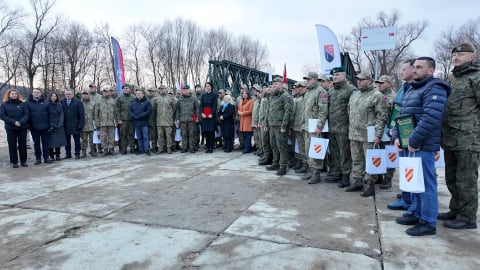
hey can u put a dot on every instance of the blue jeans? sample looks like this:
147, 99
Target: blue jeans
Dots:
143, 139
427, 202
248, 142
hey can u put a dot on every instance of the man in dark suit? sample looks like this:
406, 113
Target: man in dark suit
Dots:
74, 116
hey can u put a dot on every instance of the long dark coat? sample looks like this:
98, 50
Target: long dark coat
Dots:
74, 116
228, 122
209, 100
57, 133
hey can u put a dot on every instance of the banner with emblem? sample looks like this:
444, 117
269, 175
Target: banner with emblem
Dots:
375, 162
410, 174
318, 148
392, 156
329, 49
118, 64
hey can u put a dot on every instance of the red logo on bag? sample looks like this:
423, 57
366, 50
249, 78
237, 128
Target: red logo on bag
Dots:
437, 156
392, 156
376, 161
317, 148
409, 174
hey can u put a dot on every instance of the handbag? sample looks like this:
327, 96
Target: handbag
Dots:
392, 156
375, 163
318, 148
410, 171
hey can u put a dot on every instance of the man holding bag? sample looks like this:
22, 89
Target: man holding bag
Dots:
425, 102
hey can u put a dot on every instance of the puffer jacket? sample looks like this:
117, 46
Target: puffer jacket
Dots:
39, 113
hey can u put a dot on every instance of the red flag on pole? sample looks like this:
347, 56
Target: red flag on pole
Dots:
285, 73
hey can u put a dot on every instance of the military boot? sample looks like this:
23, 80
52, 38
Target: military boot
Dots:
292, 163
298, 165
345, 181
356, 186
273, 167
334, 178
315, 179
282, 170
112, 151
308, 175
266, 161
387, 183
368, 190
106, 152
302, 169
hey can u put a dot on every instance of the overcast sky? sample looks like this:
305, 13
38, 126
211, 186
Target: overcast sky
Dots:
287, 28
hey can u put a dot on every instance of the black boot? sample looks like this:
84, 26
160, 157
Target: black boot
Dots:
335, 178
282, 170
356, 186
315, 177
368, 190
302, 169
308, 175
273, 167
387, 183
298, 165
345, 181
266, 161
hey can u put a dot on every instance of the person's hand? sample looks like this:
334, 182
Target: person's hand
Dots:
221, 117
210, 116
119, 122
203, 115
17, 124
282, 130
318, 132
265, 128
397, 145
411, 149
239, 113
376, 141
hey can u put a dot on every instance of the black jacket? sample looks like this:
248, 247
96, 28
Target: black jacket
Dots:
209, 100
14, 110
140, 111
228, 122
39, 111
74, 117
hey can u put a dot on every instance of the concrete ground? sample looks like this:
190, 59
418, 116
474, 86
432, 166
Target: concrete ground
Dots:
199, 211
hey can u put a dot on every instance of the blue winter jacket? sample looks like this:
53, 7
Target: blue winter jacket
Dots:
14, 110
140, 111
425, 100
39, 112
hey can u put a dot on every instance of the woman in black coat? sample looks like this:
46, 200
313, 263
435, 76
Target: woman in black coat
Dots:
208, 110
57, 133
227, 122
15, 115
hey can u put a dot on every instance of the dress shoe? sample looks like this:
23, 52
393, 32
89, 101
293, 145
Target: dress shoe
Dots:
421, 229
147, 153
409, 220
183, 151
48, 161
67, 157
399, 204
446, 216
77, 156
459, 224
14, 165
24, 164
37, 162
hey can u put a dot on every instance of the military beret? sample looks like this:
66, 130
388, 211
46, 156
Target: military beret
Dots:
186, 86
125, 86
336, 70
85, 91
464, 47
91, 85
311, 75
364, 75
105, 90
384, 78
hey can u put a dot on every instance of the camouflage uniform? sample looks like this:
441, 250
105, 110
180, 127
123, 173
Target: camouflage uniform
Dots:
298, 121
461, 142
164, 109
152, 127
367, 107
339, 144
196, 126
125, 130
255, 120
187, 107
87, 132
105, 117
387, 178
264, 134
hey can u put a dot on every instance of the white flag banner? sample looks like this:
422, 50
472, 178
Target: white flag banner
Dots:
329, 49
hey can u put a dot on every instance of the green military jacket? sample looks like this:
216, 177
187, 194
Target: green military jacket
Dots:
123, 106
461, 127
262, 117
298, 115
367, 107
164, 109
187, 106
338, 98
316, 105
105, 114
256, 112
89, 108
279, 110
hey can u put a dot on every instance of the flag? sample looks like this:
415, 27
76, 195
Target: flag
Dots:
270, 74
118, 65
285, 73
329, 49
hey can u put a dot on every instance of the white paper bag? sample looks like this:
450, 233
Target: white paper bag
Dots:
410, 174
440, 159
178, 135
392, 156
318, 148
96, 137
297, 150
312, 125
371, 134
375, 161
117, 138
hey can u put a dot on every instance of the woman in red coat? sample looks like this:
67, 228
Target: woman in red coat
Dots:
245, 109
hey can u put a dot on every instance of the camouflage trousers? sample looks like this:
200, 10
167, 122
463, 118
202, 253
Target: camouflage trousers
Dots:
390, 171
164, 135
196, 134
126, 132
359, 151
153, 135
302, 155
107, 136
86, 138
340, 155
188, 135
267, 147
461, 175
279, 142
316, 164
257, 137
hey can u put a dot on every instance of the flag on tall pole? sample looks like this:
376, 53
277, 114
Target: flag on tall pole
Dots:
270, 74
329, 49
285, 73
118, 65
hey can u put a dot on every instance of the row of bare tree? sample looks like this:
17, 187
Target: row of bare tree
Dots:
47, 51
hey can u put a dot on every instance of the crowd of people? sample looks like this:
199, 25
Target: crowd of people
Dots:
278, 122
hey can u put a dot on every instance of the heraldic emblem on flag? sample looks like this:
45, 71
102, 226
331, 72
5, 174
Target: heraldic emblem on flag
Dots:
329, 52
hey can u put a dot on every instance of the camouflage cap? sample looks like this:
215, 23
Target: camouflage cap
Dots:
162, 86
257, 87
277, 79
85, 91
243, 86
384, 78
112, 88
221, 91
464, 47
364, 75
336, 70
151, 89
311, 75
324, 78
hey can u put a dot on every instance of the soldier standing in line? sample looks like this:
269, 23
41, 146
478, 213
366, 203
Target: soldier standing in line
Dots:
299, 125
385, 86
87, 132
164, 108
461, 141
278, 120
255, 117
339, 144
316, 107
125, 124
105, 118
267, 157
95, 97
186, 115
367, 107
152, 122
